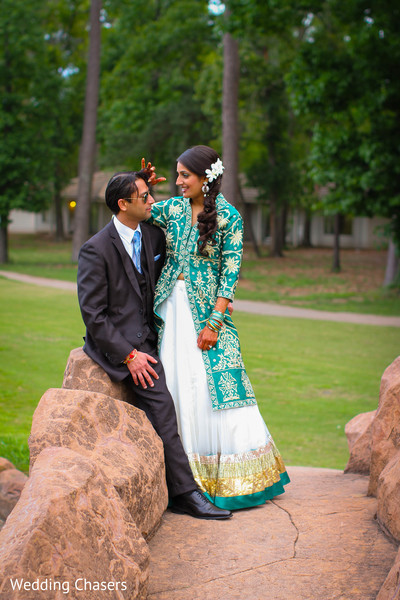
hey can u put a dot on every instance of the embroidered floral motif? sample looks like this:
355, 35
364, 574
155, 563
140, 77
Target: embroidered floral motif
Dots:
227, 362
228, 385
222, 221
169, 239
175, 210
247, 385
236, 237
227, 341
231, 265
210, 250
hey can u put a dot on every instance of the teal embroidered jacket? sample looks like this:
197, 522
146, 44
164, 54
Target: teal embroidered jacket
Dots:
206, 278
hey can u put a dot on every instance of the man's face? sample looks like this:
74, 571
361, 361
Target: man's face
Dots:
139, 208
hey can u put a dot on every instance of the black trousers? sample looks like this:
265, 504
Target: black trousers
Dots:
159, 407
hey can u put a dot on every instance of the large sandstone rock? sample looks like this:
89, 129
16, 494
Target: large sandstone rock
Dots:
386, 425
388, 496
359, 435
5, 464
82, 373
70, 526
390, 589
12, 482
117, 436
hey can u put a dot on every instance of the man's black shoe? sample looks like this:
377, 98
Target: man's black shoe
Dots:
197, 505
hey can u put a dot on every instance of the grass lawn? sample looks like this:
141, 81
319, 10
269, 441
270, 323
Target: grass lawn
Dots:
304, 278
310, 377
38, 328
39, 255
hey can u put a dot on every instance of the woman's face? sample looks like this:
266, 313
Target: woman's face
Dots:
190, 183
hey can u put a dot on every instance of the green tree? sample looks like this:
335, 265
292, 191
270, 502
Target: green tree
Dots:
272, 140
153, 58
67, 40
230, 116
26, 86
345, 78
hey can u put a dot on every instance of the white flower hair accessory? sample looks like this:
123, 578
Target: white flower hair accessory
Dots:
216, 170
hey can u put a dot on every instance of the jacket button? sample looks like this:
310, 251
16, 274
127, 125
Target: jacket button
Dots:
140, 311
139, 335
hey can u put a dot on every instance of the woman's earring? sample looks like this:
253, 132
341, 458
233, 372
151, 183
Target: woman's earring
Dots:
205, 189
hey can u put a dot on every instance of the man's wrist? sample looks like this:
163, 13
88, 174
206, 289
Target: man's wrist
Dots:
131, 357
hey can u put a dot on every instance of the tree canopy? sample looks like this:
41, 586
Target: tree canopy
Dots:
318, 96
345, 79
154, 53
40, 114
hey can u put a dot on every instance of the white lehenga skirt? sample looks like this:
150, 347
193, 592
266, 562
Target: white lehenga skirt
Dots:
231, 452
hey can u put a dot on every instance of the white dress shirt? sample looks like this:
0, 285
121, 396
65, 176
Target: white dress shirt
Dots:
126, 234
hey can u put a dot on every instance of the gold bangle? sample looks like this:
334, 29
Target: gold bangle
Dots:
131, 356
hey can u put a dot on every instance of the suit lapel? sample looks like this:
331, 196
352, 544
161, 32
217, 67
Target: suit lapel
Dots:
126, 259
148, 250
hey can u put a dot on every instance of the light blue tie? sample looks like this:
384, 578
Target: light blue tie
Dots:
136, 243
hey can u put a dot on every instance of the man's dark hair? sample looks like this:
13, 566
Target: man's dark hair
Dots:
122, 185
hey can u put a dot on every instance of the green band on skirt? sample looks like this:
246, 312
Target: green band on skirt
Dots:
238, 502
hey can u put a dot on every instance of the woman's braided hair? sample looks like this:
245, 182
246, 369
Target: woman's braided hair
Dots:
197, 159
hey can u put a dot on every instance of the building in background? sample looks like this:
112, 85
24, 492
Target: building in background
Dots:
356, 232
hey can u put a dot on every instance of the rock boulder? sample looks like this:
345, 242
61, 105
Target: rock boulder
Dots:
388, 496
71, 531
390, 589
359, 435
12, 482
117, 437
82, 373
5, 464
386, 425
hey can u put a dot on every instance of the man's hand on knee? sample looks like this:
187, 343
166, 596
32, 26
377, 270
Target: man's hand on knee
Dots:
141, 370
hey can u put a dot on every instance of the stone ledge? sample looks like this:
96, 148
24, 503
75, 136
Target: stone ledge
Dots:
317, 541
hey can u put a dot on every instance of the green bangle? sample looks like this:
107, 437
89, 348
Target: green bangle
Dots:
217, 313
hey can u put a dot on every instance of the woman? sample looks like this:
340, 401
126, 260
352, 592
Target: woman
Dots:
231, 452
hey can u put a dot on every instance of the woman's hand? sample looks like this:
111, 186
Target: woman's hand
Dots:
151, 172
207, 339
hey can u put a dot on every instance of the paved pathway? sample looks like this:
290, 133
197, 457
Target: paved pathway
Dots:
42, 281
318, 541
260, 308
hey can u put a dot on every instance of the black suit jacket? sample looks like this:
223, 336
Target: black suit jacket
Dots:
110, 298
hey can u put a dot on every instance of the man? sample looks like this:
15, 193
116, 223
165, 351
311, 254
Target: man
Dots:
117, 271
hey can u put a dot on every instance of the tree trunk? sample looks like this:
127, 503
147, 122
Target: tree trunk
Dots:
3, 241
230, 128
248, 223
306, 242
336, 245
284, 219
88, 145
392, 265
60, 236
